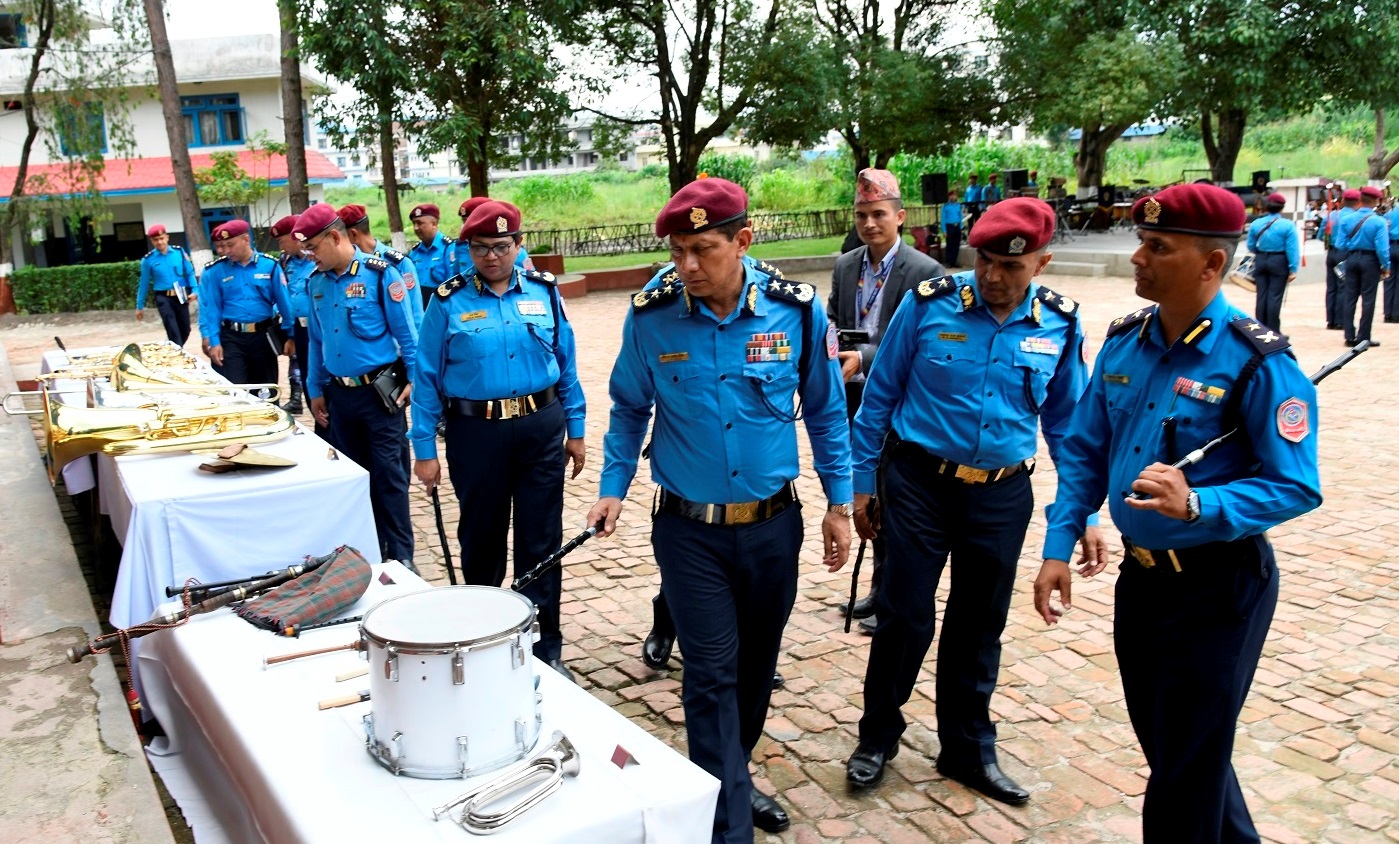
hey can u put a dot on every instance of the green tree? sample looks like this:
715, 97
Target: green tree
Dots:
1344, 31
225, 183
1082, 64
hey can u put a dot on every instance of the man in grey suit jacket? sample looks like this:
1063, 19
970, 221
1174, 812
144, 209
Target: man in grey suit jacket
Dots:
867, 286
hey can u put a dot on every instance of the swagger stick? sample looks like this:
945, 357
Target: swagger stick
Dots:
533, 574
442, 535
854, 585
1199, 454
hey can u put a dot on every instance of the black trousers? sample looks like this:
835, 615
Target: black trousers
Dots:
854, 394
248, 358
927, 518
371, 436
502, 464
296, 373
1270, 280
1188, 644
953, 247
174, 315
1362, 280
730, 589
1334, 286
1391, 285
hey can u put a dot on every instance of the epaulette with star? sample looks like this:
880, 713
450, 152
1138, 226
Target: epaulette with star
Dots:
541, 276
931, 288
1264, 340
147, 255
670, 287
450, 286
796, 292
1062, 304
376, 264
215, 261
393, 255
769, 269
1123, 324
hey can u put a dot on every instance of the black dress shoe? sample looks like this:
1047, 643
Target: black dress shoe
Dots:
777, 681
1374, 344
989, 779
1335, 327
1350, 343
865, 767
655, 651
557, 665
864, 608
868, 624
768, 814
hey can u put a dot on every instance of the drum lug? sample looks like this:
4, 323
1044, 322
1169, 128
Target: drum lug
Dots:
520, 731
458, 672
462, 755
517, 654
368, 722
391, 665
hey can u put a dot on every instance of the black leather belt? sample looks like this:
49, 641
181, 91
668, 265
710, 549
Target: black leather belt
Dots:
249, 327
1363, 251
1270, 253
504, 408
965, 474
740, 513
1175, 560
360, 380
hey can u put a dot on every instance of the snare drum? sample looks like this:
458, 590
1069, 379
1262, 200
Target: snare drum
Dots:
451, 681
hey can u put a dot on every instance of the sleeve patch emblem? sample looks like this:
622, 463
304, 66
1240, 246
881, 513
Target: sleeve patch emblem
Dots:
832, 341
397, 291
1293, 422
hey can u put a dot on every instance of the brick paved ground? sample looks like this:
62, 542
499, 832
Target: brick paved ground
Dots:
1319, 740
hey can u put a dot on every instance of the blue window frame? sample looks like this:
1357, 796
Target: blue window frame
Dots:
82, 129
212, 121
12, 32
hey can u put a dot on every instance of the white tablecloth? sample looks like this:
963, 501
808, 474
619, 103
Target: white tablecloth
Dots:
249, 757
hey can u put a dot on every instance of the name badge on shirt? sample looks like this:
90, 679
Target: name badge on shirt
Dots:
1197, 390
262, 275
355, 290
953, 336
675, 357
470, 315
531, 307
1039, 346
1116, 379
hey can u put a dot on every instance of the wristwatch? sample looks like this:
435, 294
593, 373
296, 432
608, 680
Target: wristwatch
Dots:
1192, 507
846, 510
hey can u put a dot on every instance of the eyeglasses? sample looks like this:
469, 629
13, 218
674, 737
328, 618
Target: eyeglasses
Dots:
313, 245
481, 250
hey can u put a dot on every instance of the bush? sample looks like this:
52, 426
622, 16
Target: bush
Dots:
535, 192
738, 169
85, 287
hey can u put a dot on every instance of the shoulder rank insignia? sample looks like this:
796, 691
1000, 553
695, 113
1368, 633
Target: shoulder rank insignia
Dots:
1264, 340
394, 255
669, 287
450, 286
1062, 304
930, 288
541, 276
376, 263
968, 297
215, 261
1123, 324
770, 269
791, 291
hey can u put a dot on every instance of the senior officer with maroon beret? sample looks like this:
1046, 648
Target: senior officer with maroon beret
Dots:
496, 358
721, 348
245, 298
1196, 594
946, 434
461, 257
362, 362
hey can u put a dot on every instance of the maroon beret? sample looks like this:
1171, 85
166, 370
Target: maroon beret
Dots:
425, 210
353, 214
1275, 199
232, 229
214, 232
702, 205
313, 221
1351, 195
491, 219
1371, 191
1197, 209
471, 205
155, 230
283, 227
1014, 226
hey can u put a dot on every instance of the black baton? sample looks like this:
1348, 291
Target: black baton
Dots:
854, 585
534, 574
1199, 454
442, 535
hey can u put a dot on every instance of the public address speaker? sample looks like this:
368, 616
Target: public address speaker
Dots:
1261, 178
934, 188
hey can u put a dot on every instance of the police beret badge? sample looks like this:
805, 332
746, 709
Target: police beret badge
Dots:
1151, 211
1017, 245
699, 217
501, 224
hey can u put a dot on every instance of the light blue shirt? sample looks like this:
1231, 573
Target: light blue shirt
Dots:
236, 292
1246, 486
408, 271
164, 272
1371, 234
298, 271
481, 345
360, 321
724, 390
1280, 236
972, 195
436, 261
951, 215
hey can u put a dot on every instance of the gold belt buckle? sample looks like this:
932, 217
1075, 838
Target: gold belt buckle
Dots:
509, 408
741, 513
1144, 557
972, 476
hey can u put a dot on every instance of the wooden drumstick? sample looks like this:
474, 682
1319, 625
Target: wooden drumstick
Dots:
352, 674
345, 700
273, 660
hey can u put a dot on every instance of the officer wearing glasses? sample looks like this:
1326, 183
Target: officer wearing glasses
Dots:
496, 358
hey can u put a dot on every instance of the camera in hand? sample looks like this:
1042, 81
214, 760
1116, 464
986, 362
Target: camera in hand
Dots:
852, 338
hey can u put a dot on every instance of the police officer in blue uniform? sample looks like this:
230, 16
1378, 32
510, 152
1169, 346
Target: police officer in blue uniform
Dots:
435, 256
298, 269
1365, 238
205, 330
497, 360
950, 218
170, 274
1273, 242
1331, 233
1391, 283
356, 219
972, 198
1197, 590
947, 432
460, 258
245, 309
361, 364
721, 348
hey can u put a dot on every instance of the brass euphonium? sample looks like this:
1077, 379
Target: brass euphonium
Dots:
131, 374
71, 432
